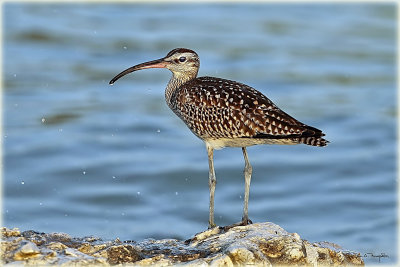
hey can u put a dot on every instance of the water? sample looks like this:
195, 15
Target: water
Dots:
85, 158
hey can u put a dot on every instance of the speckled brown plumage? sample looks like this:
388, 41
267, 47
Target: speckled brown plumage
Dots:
216, 108
226, 113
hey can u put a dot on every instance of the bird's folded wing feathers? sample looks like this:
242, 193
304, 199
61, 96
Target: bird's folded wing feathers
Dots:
219, 108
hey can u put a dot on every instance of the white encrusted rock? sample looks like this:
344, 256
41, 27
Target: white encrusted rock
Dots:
261, 244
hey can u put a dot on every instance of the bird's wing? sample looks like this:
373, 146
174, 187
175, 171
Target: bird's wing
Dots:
219, 108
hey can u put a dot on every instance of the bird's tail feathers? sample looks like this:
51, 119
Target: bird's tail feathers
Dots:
313, 137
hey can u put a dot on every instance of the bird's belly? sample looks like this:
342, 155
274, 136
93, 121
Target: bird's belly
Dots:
245, 142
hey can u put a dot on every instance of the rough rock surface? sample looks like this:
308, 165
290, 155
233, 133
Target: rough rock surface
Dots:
257, 244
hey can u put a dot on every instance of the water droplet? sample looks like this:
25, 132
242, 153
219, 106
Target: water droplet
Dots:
60, 130
15, 75
43, 120
176, 193
22, 182
158, 130
114, 177
123, 213
41, 204
125, 47
84, 172
138, 192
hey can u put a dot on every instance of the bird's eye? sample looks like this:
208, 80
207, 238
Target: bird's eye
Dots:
182, 59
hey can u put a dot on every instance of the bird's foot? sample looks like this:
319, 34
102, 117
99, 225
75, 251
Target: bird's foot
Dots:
211, 225
244, 222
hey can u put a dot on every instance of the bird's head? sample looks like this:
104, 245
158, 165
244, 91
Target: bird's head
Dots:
182, 62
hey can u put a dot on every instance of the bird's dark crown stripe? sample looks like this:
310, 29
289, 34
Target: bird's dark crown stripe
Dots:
180, 50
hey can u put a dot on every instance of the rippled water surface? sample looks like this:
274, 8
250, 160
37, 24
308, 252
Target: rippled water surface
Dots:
85, 158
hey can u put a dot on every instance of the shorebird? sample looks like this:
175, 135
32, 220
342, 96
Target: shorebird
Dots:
225, 113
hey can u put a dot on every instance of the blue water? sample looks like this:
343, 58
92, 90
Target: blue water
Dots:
85, 158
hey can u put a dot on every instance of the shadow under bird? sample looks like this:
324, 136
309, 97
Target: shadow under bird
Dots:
226, 113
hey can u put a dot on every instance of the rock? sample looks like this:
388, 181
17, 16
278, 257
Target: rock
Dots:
10, 232
26, 251
123, 254
265, 244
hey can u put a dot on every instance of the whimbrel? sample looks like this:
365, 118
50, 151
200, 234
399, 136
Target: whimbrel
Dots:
226, 113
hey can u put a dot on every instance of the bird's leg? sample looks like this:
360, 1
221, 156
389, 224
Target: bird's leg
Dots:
247, 178
211, 183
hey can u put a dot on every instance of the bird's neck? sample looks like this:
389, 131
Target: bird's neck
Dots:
177, 80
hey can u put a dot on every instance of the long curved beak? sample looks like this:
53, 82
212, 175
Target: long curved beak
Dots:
158, 63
